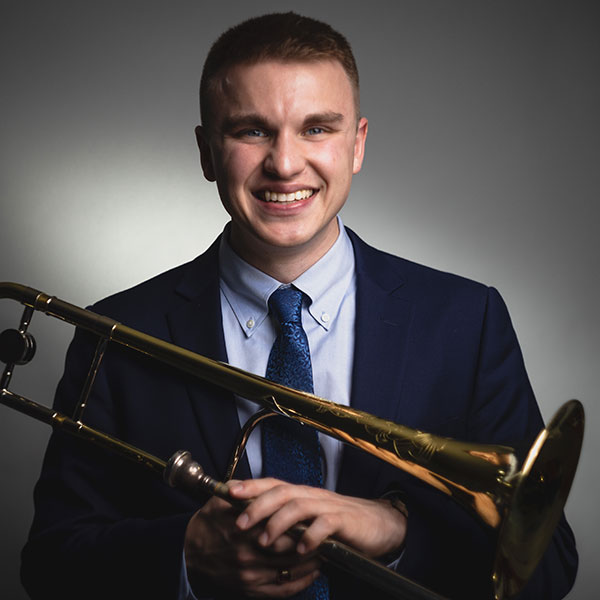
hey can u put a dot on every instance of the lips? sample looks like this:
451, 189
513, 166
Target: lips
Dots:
285, 197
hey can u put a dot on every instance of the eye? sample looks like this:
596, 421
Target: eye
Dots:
316, 130
253, 133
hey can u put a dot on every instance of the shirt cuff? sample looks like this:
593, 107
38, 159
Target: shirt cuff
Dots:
185, 589
392, 559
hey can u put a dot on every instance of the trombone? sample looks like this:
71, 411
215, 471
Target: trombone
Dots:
522, 503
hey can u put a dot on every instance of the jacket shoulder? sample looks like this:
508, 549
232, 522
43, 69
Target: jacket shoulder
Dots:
164, 292
414, 278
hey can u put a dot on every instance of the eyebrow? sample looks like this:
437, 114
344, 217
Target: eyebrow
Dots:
234, 121
327, 118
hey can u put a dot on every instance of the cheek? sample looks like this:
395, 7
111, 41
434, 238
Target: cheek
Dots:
244, 158
327, 160
338, 160
234, 173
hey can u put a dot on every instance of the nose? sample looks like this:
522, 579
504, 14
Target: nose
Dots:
285, 158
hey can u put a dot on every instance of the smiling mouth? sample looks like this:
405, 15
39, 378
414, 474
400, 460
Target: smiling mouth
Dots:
269, 196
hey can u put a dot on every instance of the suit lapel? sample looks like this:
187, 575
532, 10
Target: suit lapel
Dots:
383, 318
197, 325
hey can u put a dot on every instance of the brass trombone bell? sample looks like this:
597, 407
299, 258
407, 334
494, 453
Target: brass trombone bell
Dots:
522, 504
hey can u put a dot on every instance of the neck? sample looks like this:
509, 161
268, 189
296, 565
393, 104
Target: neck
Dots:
285, 264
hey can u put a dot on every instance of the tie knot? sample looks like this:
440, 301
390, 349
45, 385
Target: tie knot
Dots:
286, 304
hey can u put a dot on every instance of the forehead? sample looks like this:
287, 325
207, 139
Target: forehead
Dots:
284, 89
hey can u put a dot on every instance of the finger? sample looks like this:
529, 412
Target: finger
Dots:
293, 570
317, 531
300, 510
290, 572
273, 499
285, 589
261, 493
284, 544
250, 488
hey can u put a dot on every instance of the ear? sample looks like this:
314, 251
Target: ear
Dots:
205, 153
359, 144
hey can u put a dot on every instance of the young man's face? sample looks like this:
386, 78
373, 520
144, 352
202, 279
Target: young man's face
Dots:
282, 146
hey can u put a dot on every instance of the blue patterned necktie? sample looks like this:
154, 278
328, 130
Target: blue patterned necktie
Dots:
291, 450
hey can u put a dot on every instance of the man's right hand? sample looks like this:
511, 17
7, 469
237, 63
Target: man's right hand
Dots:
217, 550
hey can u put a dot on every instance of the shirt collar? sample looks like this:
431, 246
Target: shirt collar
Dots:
247, 289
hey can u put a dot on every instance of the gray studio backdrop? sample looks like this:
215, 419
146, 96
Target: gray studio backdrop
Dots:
482, 159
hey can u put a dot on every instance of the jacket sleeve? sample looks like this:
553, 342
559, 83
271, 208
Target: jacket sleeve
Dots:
505, 408
446, 548
103, 528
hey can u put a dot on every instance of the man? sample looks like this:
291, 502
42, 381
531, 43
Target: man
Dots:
282, 137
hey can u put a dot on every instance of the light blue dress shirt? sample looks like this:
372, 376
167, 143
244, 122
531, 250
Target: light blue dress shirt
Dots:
327, 317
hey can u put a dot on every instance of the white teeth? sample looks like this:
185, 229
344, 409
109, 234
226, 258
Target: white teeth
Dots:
277, 197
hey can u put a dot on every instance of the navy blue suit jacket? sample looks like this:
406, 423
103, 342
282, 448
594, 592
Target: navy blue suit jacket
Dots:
433, 351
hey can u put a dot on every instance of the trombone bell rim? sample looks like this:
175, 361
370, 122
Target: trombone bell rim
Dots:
540, 492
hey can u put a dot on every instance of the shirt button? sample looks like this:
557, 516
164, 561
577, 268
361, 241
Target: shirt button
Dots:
325, 317
250, 323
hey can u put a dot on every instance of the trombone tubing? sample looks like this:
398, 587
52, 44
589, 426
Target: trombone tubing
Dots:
467, 472
183, 473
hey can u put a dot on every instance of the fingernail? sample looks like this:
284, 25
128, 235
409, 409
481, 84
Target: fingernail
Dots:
301, 548
242, 521
236, 489
263, 538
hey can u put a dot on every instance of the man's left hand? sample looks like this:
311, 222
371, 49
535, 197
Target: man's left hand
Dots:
373, 527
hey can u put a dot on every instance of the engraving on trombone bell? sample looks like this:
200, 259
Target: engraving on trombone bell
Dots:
337, 410
422, 446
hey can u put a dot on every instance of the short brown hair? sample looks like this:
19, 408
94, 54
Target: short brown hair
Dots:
277, 36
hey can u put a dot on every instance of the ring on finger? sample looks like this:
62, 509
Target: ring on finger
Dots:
284, 575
